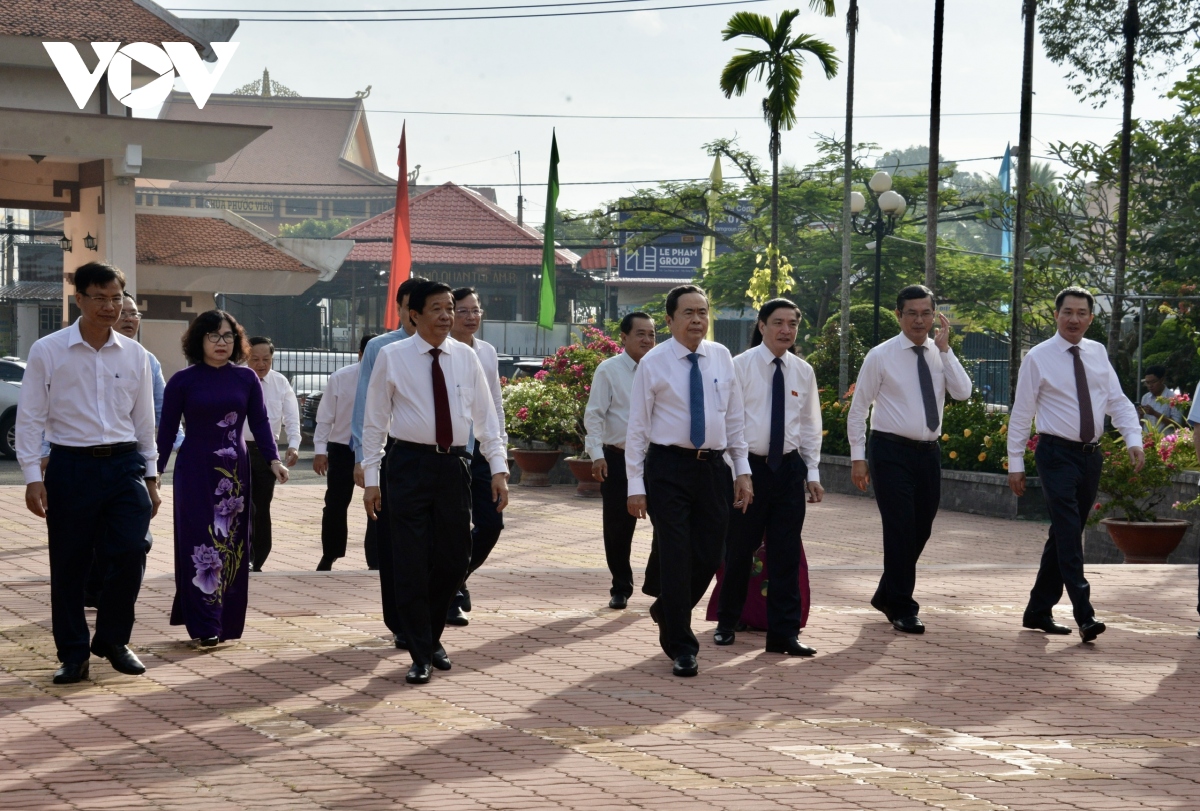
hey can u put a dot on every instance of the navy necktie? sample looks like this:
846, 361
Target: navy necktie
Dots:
775, 450
932, 417
696, 401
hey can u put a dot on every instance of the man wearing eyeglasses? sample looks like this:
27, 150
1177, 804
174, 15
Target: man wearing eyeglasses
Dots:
88, 390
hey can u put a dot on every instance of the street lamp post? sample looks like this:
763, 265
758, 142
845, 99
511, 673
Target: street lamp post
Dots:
886, 208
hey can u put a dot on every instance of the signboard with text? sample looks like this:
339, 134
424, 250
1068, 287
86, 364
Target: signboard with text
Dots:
673, 256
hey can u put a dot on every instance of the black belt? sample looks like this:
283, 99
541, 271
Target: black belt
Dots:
702, 454
453, 450
613, 448
903, 440
763, 459
98, 451
1083, 447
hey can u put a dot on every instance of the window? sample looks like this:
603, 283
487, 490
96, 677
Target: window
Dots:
11, 372
347, 208
49, 319
300, 208
175, 200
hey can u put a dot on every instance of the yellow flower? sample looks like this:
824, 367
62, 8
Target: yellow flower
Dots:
1004, 464
953, 454
987, 441
966, 432
1004, 428
825, 432
983, 457
945, 437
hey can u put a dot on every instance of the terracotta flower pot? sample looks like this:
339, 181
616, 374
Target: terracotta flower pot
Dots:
535, 466
581, 467
1146, 541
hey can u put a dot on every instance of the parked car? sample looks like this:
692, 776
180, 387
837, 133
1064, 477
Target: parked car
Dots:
308, 388
308, 415
11, 372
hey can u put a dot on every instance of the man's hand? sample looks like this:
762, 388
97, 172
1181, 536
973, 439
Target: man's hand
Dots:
500, 491
941, 336
291, 457
636, 506
35, 498
45, 464
815, 492
373, 501
1016, 483
600, 469
279, 472
359, 478
155, 501
321, 464
743, 492
860, 474
1137, 457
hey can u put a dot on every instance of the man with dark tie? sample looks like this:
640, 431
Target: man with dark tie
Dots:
1067, 385
903, 382
426, 393
90, 392
685, 414
606, 420
783, 437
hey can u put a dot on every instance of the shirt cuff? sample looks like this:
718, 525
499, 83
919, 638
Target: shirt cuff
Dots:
595, 450
371, 475
637, 487
498, 465
814, 475
1016, 464
320, 449
152, 468
741, 467
858, 453
33, 472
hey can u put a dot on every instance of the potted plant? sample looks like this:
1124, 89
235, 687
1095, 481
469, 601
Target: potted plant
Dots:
573, 367
1138, 532
540, 418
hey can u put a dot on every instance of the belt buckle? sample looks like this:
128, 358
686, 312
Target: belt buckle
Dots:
1090, 447
702, 454
438, 449
101, 451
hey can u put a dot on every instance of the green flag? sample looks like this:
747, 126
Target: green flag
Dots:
549, 288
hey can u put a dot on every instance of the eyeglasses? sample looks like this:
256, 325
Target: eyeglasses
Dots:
130, 316
476, 312
915, 316
220, 338
100, 301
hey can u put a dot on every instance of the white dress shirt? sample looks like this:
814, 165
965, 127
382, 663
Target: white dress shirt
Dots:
78, 396
490, 362
660, 407
606, 418
400, 402
801, 405
1168, 415
888, 385
336, 409
1194, 415
283, 409
1046, 391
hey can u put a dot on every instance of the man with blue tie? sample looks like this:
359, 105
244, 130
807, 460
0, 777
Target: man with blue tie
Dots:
685, 414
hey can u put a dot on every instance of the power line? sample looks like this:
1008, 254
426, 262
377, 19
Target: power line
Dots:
400, 10
486, 16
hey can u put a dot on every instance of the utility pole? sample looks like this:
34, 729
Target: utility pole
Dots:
847, 187
520, 197
935, 132
1020, 237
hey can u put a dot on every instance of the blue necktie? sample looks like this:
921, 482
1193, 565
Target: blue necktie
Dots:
775, 449
697, 401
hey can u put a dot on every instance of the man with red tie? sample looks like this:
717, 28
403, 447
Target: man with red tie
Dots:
426, 392
1067, 385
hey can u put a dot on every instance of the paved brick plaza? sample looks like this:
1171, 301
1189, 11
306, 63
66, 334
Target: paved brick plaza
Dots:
557, 702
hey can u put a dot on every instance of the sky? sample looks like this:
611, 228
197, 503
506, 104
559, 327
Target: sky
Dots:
654, 63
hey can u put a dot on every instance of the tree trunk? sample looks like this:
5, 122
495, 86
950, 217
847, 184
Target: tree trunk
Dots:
1024, 142
774, 255
847, 183
935, 136
1130, 29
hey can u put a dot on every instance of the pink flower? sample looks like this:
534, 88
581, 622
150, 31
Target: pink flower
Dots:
540, 374
523, 413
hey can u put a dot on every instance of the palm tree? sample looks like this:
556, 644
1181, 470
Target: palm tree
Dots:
781, 63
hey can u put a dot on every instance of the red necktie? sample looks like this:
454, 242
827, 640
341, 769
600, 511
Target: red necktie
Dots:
1087, 422
443, 427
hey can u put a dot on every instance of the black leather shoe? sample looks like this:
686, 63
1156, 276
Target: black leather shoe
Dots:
1046, 624
464, 600
880, 607
909, 625
399, 641
685, 666
618, 601
723, 636
418, 674
791, 647
326, 564
440, 659
122, 659
656, 613
1092, 629
208, 641
455, 616
71, 673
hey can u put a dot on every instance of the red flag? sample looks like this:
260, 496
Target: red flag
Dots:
401, 240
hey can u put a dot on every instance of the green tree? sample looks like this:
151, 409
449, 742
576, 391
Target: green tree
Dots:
780, 62
316, 229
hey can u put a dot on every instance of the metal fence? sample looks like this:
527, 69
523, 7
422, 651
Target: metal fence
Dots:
985, 357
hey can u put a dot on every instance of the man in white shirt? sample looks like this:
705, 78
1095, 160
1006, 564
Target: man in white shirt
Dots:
427, 392
783, 440
89, 391
332, 456
283, 409
1162, 417
685, 413
904, 382
1067, 385
606, 420
488, 521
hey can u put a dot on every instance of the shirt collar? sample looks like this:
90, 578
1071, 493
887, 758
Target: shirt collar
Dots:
768, 357
76, 337
1065, 346
424, 346
906, 343
682, 351
629, 362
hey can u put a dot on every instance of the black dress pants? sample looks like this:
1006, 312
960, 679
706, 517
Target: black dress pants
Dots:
339, 493
688, 500
262, 491
908, 489
101, 507
384, 548
488, 523
778, 512
1070, 479
430, 515
619, 525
